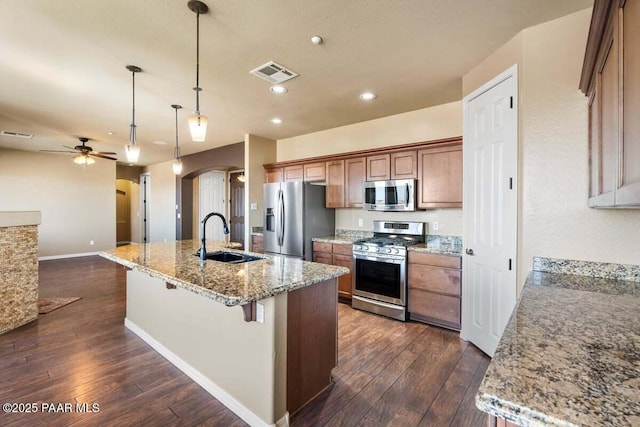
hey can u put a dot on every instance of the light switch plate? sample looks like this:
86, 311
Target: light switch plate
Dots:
254, 206
360, 222
435, 226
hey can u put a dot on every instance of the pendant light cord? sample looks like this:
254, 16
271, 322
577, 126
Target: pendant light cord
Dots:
197, 88
132, 135
177, 152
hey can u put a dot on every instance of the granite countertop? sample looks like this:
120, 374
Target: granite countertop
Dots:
570, 354
337, 240
229, 284
437, 250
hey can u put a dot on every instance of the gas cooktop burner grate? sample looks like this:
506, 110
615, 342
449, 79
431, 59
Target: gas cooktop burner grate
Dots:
387, 241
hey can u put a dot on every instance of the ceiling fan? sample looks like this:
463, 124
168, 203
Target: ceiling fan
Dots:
84, 153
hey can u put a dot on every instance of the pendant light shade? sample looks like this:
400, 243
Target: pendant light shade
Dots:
198, 127
197, 121
131, 150
177, 160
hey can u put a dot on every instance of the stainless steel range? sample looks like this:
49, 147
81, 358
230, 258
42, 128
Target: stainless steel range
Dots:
380, 266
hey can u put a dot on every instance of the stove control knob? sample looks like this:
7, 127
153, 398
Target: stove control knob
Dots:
389, 250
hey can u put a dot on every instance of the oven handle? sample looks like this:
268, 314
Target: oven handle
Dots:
380, 259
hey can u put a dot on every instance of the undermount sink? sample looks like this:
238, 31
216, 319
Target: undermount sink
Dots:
230, 257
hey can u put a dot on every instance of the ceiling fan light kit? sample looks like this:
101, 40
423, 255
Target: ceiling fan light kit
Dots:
83, 159
198, 122
132, 151
177, 160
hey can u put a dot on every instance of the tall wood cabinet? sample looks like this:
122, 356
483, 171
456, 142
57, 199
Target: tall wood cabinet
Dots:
611, 80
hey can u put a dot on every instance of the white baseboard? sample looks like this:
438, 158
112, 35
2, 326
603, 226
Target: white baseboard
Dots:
212, 388
46, 258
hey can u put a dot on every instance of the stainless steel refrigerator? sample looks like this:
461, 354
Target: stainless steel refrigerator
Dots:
295, 213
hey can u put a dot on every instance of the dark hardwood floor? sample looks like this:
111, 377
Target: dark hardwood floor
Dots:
389, 373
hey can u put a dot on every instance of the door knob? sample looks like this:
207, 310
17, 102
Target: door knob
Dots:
469, 251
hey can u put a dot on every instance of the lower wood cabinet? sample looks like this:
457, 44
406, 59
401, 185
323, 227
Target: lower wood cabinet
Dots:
498, 422
257, 243
434, 288
337, 254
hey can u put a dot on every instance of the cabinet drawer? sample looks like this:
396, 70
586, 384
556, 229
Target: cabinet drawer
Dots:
322, 247
322, 257
435, 279
343, 260
434, 308
341, 249
448, 261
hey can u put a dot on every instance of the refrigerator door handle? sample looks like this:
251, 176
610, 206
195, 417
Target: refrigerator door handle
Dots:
281, 242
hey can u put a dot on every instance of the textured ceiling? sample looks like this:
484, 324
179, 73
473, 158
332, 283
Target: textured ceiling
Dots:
62, 64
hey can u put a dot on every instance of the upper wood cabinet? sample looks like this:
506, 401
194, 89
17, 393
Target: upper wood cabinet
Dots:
293, 173
273, 175
378, 167
314, 171
404, 165
355, 174
611, 80
440, 177
334, 196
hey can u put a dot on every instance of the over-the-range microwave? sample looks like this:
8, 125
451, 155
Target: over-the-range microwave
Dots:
390, 196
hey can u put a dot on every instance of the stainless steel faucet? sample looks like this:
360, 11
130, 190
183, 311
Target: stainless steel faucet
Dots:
203, 247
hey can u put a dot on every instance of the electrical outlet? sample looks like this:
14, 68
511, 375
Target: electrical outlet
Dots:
360, 222
165, 240
254, 206
259, 313
179, 215
435, 226
91, 242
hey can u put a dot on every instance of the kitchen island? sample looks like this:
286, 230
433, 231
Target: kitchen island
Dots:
570, 354
260, 336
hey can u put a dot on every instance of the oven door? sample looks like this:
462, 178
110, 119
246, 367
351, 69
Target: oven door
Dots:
380, 278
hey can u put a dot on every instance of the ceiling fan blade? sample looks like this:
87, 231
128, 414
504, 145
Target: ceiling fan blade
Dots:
94, 154
58, 151
110, 153
70, 148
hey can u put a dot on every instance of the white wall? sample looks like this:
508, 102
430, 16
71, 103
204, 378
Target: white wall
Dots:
78, 204
162, 203
257, 152
554, 219
442, 121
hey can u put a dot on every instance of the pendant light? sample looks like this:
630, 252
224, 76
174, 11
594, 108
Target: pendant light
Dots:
198, 122
131, 149
177, 161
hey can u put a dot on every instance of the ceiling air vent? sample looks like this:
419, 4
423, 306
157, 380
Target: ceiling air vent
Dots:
273, 73
16, 134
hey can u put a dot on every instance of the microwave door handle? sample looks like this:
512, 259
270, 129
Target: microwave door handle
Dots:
406, 200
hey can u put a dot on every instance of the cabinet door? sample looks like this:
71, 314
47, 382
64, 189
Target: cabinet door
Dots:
435, 308
273, 175
355, 178
629, 191
378, 167
404, 165
440, 177
257, 244
344, 282
334, 197
314, 171
608, 77
293, 173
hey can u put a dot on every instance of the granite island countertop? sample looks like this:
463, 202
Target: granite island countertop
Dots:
570, 354
229, 284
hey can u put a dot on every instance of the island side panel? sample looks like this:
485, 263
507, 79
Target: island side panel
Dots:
312, 341
18, 276
237, 356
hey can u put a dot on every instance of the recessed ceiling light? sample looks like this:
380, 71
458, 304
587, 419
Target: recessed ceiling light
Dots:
277, 89
160, 142
316, 39
111, 132
368, 96
276, 121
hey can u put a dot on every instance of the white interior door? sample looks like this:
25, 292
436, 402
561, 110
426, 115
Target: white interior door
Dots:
490, 210
211, 199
